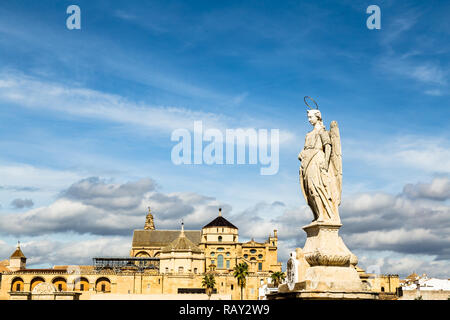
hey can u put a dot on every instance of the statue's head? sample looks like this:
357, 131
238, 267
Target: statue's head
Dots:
314, 116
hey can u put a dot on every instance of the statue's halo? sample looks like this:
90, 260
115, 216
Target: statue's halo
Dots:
317, 106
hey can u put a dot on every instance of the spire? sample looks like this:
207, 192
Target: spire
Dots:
182, 229
149, 223
220, 212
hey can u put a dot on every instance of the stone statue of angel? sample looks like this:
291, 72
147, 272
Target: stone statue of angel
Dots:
321, 168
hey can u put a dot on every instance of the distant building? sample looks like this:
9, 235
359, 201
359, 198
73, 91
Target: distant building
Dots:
425, 288
163, 264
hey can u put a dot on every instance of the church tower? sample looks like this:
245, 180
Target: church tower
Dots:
149, 224
220, 244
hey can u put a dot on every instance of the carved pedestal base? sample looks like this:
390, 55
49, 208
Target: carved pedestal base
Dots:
324, 268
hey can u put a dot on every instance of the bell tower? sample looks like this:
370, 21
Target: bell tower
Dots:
149, 223
17, 261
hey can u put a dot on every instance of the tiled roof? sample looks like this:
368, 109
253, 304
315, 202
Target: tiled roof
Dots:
18, 254
220, 222
181, 244
162, 238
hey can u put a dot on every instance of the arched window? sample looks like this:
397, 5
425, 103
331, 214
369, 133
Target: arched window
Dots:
35, 282
260, 256
180, 269
220, 238
60, 283
142, 254
245, 256
382, 289
220, 261
103, 285
82, 284
253, 251
17, 285
259, 266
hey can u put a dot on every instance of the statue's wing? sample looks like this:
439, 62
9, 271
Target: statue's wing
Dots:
336, 158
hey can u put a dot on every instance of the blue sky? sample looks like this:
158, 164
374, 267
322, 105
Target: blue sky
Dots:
102, 102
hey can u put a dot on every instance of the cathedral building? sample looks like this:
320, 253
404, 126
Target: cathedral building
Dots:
163, 264
216, 247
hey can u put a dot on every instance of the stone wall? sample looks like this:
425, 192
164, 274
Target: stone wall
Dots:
138, 283
425, 294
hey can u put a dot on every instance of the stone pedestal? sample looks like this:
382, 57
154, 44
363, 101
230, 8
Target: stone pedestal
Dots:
330, 268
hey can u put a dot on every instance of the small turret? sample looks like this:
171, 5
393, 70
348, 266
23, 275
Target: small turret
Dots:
149, 224
274, 240
17, 261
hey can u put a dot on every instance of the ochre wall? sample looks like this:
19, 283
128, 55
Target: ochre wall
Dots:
138, 283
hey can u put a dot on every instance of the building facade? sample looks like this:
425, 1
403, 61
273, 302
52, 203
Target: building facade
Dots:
162, 264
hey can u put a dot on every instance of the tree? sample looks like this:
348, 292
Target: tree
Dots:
277, 278
209, 283
240, 273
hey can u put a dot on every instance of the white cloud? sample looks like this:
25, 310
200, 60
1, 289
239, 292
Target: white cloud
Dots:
46, 96
438, 189
404, 264
45, 252
424, 72
96, 206
427, 154
32, 93
20, 176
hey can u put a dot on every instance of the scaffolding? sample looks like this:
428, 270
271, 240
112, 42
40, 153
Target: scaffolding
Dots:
120, 264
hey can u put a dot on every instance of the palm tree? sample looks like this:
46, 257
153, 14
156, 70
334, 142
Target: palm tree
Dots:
277, 278
209, 283
240, 273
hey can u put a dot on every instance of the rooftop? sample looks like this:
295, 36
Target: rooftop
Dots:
182, 243
162, 238
18, 253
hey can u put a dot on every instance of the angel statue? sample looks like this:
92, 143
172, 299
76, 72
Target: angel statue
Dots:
321, 168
